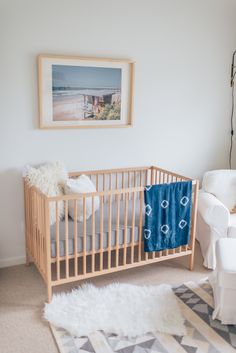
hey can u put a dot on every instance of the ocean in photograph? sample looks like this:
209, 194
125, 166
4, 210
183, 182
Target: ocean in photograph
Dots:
86, 93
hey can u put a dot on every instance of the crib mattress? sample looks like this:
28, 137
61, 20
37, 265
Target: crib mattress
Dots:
97, 239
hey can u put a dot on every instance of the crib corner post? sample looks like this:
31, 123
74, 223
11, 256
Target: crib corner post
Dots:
26, 210
48, 249
194, 220
49, 292
191, 261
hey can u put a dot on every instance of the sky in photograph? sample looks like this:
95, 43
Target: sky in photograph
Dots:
85, 77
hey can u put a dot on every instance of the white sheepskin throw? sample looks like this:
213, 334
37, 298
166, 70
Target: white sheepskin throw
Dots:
80, 185
50, 179
123, 309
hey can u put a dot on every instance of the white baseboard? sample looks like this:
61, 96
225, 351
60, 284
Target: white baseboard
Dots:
12, 261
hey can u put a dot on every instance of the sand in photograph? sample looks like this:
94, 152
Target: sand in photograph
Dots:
68, 107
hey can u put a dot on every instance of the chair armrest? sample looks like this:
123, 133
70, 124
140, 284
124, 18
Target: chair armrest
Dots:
213, 211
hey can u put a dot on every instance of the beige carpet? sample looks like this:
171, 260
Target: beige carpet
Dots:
22, 296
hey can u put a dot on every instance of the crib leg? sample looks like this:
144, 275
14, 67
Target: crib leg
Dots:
49, 292
191, 261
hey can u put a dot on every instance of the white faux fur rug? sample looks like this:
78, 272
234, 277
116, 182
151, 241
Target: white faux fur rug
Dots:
122, 309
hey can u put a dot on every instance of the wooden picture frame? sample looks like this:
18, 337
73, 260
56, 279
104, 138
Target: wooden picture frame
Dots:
80, 92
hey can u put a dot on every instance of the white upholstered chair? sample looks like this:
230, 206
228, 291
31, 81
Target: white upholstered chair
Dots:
216, 200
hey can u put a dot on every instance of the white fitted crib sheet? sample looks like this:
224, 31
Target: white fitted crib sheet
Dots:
97, 244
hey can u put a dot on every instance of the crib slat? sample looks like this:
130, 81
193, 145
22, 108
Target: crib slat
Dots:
84, 235
133, 227
123, 184
101, 231
36, 228
156, 173
128, 181
44, 239
146, 254
140, 225
93, 236
75, 239
57, 242
110, 183
42, 235
66, 239
33, 222
146, 176
39, 233
123, 180
109, 231
104, 184
153, 176
125, 228
117, 227
30, 219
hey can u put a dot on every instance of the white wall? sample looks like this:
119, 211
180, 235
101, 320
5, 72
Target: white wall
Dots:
182, 50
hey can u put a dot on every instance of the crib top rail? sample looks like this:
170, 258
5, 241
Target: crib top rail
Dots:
96, 193
108, 171
116, 190
132, 169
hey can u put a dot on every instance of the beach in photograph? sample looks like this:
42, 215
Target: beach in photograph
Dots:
84, 104
74, 100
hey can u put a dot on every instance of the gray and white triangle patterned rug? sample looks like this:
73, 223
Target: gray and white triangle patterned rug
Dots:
204, 335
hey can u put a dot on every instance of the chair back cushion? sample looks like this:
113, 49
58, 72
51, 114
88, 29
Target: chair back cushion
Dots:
222, 184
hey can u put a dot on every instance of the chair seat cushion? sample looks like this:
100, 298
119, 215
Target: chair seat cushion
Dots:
226, 262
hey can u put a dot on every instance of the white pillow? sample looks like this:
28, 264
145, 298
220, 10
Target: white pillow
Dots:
49, 178
77, 186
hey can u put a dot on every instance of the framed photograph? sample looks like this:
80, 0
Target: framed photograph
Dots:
78, 92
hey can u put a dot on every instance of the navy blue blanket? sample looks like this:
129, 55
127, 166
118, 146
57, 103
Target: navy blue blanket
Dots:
167, 215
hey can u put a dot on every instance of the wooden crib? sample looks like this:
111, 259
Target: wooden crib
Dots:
111, 240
